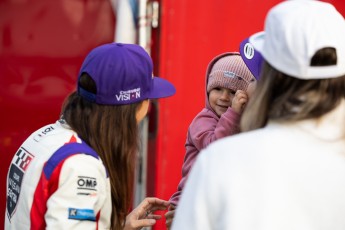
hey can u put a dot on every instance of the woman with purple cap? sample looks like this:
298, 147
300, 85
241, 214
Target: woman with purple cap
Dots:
286, 170
78, 173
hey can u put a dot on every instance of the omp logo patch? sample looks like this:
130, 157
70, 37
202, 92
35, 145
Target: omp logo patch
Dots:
81, 214
86, 185
15, 178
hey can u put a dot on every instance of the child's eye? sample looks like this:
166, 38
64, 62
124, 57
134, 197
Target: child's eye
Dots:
218, 88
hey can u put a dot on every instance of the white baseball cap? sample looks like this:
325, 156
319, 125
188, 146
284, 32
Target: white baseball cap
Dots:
294, 31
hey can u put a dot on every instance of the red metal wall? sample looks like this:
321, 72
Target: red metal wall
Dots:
192, 33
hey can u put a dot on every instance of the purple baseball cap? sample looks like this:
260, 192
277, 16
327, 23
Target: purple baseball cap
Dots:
123, 75
251, 57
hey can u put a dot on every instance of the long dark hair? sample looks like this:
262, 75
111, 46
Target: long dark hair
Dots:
280, 97
112, 131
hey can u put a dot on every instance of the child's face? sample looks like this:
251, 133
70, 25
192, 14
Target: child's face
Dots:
220, 99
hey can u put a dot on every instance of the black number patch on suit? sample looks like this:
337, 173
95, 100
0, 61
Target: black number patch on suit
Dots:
15, 178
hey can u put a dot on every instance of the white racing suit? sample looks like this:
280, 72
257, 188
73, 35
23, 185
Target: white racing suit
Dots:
56, 181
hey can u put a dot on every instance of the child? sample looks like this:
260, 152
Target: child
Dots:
227, 79
286, 169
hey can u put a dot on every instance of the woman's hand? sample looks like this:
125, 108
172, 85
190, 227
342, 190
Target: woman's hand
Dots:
142, 215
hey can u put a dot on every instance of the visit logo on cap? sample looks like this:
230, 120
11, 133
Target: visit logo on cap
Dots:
123, 75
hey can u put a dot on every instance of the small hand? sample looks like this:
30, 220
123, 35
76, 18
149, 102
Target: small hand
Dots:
239, 101
142, 215
169, 216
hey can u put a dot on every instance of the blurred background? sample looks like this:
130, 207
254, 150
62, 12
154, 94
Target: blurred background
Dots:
43, 43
